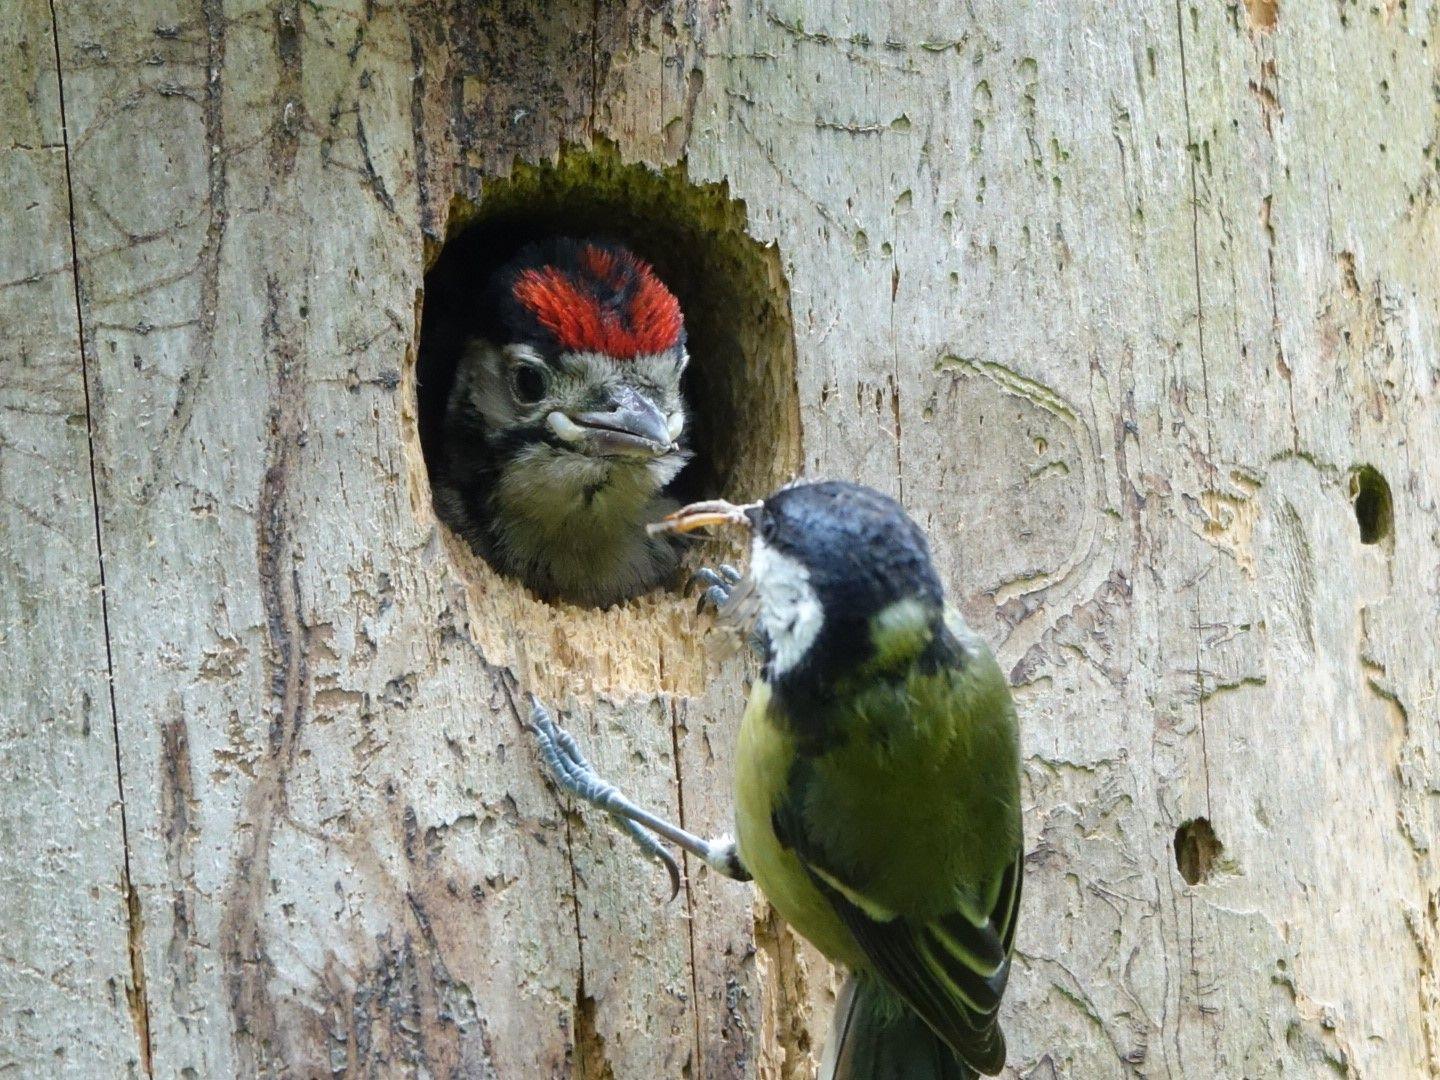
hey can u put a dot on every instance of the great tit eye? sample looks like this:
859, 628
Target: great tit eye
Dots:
527, 383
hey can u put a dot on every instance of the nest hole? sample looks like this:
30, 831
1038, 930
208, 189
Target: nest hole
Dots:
740, 385
1197, 850
1374, 507
740, 388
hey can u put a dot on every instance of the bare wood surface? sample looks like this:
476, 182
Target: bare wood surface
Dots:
70, 1002
1115, 296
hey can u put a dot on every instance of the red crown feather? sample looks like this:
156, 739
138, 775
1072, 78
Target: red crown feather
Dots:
642, 317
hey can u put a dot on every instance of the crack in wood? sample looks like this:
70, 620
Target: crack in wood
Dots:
136, 993
587, 1044
1204, 373
689, 895
1208, 459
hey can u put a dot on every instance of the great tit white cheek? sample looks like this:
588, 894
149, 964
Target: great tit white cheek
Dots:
790, 612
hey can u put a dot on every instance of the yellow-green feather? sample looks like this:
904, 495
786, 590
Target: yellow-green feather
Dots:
762, 766
915, 804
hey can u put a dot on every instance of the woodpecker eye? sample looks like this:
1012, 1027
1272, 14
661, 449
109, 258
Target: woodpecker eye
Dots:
528, 383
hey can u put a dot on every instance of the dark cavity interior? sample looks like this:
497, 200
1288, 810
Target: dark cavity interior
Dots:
1374, 510
1197, 849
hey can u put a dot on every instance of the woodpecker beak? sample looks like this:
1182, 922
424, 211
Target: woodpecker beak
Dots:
700, 514
631, 427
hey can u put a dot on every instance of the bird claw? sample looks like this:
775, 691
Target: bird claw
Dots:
569, 769
718, 582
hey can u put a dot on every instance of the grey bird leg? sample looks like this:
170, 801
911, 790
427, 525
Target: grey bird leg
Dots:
568, 767
573, 773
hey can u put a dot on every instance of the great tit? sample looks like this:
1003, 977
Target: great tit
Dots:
877, 779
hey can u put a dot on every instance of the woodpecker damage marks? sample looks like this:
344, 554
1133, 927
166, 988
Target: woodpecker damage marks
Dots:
285, 137
788, 965
1226, 518
1263, 14
287, 661
1424, 927
178, 807
590, 1060
393, 1004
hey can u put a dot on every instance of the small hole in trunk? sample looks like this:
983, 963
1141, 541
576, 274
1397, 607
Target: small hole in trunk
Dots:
1374, 509
1197, 849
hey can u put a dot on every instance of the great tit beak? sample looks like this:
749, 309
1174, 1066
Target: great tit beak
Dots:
700, 514
631, 426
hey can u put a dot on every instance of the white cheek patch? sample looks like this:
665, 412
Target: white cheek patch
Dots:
790, 612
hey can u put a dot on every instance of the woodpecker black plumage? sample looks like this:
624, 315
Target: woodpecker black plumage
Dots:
566, 423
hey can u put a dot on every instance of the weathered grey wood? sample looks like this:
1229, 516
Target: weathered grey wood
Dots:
68, 1002
335, 835
1114, 295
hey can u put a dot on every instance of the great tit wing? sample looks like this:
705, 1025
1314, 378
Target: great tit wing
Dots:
951, 970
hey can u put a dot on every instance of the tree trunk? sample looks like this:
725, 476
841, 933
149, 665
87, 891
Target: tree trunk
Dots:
1133, 305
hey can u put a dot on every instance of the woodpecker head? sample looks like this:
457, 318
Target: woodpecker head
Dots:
583, 369
566, 420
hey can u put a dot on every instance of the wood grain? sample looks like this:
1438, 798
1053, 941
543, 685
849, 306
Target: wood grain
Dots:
1115, 296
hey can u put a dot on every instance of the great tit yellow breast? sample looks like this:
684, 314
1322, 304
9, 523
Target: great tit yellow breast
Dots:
762, 765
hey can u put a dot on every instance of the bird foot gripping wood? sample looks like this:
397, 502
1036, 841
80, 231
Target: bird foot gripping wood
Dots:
569, 769
719, 583
720, 597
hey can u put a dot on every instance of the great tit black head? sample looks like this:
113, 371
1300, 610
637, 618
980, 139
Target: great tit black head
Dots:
826, 559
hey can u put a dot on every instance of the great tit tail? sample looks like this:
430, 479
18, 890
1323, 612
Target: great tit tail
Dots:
875, 1036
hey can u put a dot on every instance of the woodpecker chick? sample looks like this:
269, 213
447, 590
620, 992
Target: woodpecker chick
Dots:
565, 423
